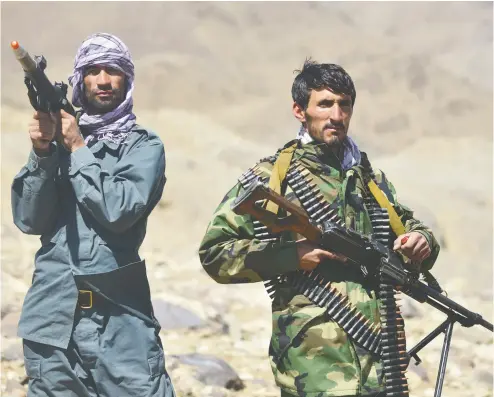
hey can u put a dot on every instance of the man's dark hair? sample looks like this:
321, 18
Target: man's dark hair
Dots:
318, 75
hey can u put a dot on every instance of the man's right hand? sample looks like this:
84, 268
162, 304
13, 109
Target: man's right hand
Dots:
42, 131
310, 255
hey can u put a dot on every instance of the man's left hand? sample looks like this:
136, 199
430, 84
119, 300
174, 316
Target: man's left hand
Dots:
69, 134
413, 245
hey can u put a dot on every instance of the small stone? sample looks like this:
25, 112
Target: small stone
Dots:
171, 316
6, 309
220, 324
12, 385
213, 371
18, 393
484, 377
13, 352
9, 324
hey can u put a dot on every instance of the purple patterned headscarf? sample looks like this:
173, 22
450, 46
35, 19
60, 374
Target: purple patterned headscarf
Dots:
104, 49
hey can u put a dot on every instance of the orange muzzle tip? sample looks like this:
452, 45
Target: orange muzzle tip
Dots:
14, 44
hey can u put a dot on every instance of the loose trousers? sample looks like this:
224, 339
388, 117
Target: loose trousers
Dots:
111, 353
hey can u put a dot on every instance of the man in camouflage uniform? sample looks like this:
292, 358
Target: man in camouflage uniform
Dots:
310, 354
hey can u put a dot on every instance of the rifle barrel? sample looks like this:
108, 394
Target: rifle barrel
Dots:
447, 305
349, 244
27, 63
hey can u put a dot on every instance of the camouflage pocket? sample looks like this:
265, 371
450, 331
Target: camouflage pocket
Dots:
289, 322
310, 352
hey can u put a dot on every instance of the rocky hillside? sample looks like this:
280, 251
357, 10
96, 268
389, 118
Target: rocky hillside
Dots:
214, 79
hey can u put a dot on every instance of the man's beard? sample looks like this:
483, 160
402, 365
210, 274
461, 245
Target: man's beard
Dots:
98, 106
333, 142
336, 146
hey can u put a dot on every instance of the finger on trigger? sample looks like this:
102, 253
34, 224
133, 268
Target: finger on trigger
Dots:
337, 257
331, 255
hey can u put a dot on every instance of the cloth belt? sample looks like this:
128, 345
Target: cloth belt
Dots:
394, 219
278, 174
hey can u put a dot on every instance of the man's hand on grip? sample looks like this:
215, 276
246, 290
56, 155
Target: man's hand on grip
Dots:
42, 129
414, 246
69, 136
310, 255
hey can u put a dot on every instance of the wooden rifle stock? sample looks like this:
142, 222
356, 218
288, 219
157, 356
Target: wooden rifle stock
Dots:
361, 250
296, 220
358, 249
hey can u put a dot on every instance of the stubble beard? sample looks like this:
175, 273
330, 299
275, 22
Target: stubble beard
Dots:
332, 142
336, 146
98, 106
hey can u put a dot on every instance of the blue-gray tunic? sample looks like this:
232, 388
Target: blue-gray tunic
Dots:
90, 208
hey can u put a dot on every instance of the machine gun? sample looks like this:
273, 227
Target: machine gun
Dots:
371, 257
43, 95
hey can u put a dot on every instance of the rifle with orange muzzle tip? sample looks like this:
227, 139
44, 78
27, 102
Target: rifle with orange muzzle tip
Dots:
43, 95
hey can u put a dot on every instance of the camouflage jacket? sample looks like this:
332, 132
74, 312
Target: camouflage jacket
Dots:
310, 354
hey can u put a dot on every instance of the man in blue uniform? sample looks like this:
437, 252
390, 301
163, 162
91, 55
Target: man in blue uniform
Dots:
89, 185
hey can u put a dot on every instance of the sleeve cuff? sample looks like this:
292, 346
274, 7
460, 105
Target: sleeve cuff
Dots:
274, 259
286, 259
426, 235
429, 262
47, 164
80, 158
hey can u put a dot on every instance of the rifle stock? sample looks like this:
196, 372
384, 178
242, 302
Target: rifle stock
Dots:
297, 220
372, 257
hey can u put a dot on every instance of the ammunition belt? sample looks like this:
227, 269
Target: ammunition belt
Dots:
381, 231
386, 340
393, 343
312, 284
261, 232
